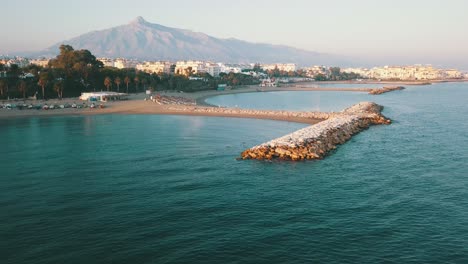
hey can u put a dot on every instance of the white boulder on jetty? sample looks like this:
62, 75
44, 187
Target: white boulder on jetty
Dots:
315, 141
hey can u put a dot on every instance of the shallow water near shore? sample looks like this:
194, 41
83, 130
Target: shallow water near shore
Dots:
167, 189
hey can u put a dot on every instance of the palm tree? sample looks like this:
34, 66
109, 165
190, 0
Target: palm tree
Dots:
108, 82
137, 81
117, 81
144, 81
23, 88
3, 87
43, 80
58, 87
127, 81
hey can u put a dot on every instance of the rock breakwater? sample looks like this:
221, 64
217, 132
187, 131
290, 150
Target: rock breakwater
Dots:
386, 90
315, 141
251, 112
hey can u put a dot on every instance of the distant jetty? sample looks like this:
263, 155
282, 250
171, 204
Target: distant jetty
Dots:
386, 90
374, 91
315, 141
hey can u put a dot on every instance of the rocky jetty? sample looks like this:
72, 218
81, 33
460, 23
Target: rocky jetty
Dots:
251, 112
386, 90
315, 141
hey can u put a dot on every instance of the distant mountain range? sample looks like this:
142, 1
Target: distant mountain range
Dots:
143, 40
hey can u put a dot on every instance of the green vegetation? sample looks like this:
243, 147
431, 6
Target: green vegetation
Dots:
336, 75
75, 71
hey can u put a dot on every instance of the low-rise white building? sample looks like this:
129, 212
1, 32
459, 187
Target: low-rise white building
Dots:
453, 74
364, 72
411, 72
20, 61
212, 69
281, 66
40, 62
235, 68
189, 67
103, 96
107, 62
155, 67
315, 70
119, 63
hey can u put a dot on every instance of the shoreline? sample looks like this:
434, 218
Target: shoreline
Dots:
137, 105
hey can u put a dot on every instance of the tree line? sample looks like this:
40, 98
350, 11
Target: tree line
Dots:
75, 71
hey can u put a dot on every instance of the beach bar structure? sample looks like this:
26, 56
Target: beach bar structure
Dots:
103, 96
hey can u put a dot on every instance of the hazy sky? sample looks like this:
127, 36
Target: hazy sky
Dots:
396, 31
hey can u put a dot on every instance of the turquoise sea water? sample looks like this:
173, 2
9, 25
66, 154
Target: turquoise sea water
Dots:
167, 189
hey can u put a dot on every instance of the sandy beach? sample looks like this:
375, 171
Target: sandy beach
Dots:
138, 105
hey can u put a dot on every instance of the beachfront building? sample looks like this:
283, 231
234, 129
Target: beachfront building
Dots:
416, 72
40, 62
155, 67
213, 69
119, 63
268, 82
189, 67
20, 61
122, 63
227, 68
287, 67
452, 74
103, 96
364, 72
107, 62
313, 71
410, 73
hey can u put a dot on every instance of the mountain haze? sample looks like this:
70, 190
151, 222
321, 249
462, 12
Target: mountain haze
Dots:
143, 40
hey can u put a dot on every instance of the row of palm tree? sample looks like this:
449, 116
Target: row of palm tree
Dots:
118, 81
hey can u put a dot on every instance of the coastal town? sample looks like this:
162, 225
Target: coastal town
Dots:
74, 72
194, 67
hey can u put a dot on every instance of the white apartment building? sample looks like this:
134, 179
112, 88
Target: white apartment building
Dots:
281, 66
228, 69
212, 69
107, 62
119, 63
21, 62
182, 67
416, 72
40, 62
155, 67
315, 70
364, 72
412, 72
453, 74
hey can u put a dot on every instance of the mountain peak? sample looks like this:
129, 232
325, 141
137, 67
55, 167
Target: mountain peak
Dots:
139, 20
145, 40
